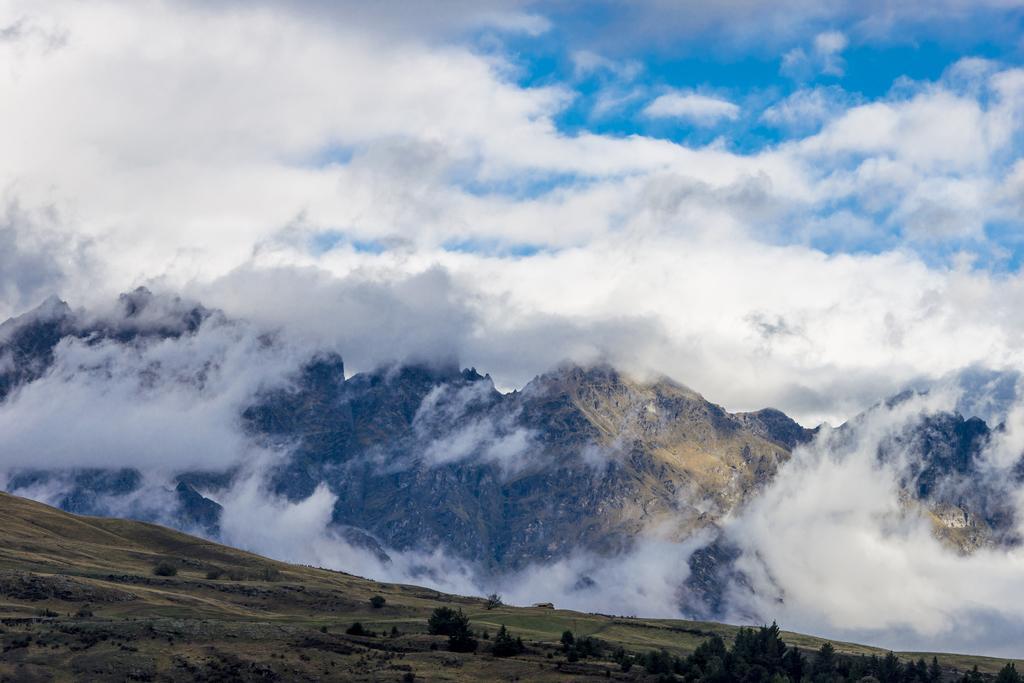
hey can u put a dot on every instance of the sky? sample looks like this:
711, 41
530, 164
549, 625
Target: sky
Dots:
805, 205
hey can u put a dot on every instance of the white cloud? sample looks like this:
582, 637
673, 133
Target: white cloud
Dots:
456, 424
164, 405
228, 199
699, 109
825, 57
830, 42
806, 110
834, 538
586, 63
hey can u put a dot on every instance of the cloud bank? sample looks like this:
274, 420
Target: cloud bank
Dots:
459, 217
834, 546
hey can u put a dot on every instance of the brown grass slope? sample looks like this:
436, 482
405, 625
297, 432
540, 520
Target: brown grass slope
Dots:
79, 601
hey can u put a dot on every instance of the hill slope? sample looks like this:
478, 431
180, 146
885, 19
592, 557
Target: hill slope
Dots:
79, 600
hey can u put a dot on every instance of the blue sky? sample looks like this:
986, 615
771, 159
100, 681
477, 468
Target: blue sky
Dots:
756, 72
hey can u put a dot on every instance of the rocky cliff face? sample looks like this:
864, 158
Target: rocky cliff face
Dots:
420, 456
580, 458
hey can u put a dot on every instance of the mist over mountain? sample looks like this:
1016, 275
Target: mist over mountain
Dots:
586, 485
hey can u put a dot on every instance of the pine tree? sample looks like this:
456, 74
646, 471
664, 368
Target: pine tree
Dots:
1009, 674
793, 663
505, 645
889, 669
824, 666
444, 621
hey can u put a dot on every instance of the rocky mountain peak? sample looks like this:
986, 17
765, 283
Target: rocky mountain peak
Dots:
53, 312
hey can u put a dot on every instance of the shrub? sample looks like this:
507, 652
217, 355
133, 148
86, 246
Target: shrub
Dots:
268, 574
1008, 674
83, 612
357, 629
215, 573
445, 621
505, 645
462, 642
377, 601
588, 647
165, 568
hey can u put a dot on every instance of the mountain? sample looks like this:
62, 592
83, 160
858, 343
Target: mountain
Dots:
28, 342
581, 457
425, 456
85, 598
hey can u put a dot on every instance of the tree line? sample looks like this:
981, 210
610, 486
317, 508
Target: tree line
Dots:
761, 656
757, 655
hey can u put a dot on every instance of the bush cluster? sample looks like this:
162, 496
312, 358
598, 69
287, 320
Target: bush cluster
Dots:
505, 645
165, 568
445, 621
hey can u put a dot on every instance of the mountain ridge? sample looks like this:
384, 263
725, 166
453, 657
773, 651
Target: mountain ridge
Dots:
420, 456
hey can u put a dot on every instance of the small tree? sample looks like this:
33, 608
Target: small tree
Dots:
793, 663
444, 621
357, 629
462, 641
505, 645
165, 568
493, 600
824, 661
1008, 674
377, 601
269, 574
568, 640
973, 676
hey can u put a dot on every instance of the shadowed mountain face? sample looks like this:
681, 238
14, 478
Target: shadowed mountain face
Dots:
580, 458
28, 342
420, 457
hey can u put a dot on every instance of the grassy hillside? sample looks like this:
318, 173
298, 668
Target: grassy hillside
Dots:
79, 600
